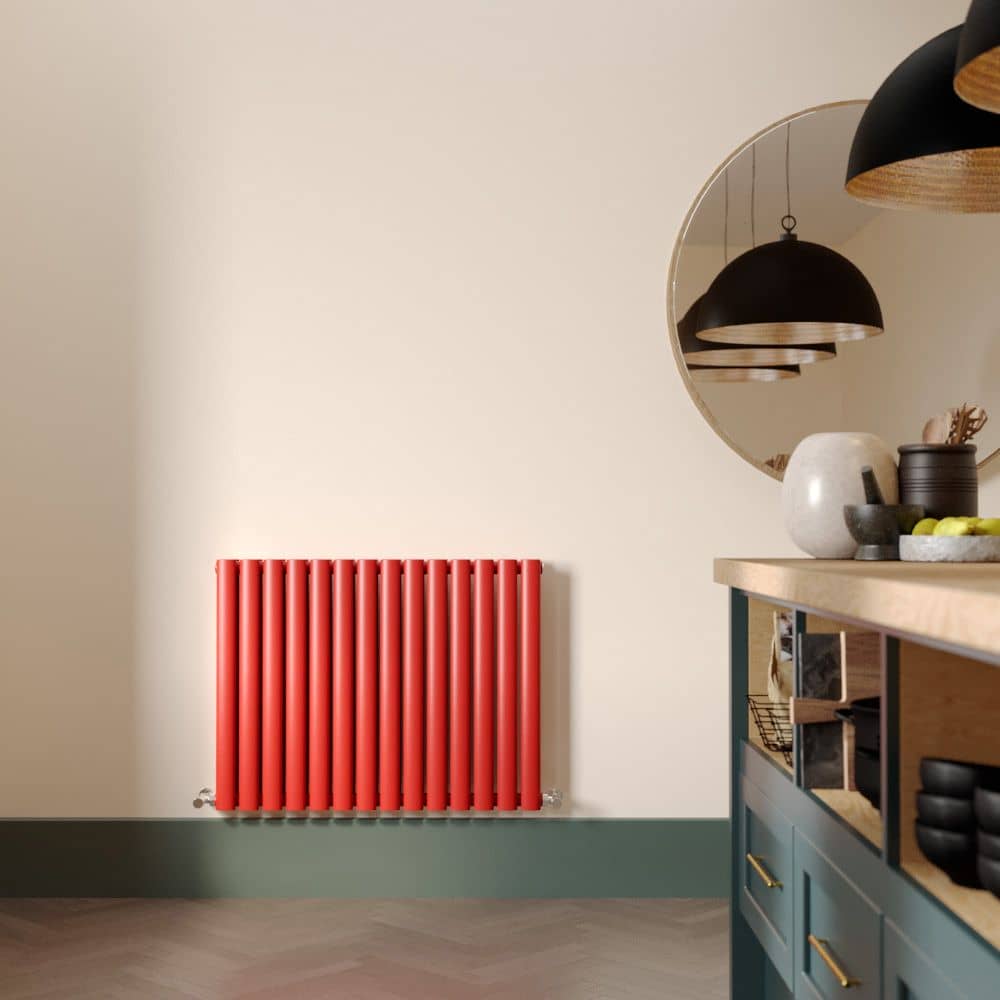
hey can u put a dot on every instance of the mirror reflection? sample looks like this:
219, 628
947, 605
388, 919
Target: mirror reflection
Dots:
845, 316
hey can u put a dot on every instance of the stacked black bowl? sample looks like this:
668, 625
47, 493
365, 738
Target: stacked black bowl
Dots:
987, 809
958, 821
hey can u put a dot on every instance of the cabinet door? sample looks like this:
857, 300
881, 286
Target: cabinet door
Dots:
766, 874
837, 942
909, 974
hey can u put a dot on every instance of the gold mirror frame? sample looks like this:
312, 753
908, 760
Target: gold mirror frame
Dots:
672, 334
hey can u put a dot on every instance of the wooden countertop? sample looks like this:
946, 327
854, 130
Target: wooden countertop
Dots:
955, 604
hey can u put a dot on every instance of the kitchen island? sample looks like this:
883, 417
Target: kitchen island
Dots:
831, 894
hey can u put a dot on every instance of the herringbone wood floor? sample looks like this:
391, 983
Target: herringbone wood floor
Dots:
391, 949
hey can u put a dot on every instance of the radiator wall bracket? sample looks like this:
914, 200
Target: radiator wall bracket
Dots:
206, 797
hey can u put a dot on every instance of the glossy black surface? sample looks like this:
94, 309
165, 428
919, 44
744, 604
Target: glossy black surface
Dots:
945, 812
954, 853
988, 844
988, 870
987, 806
948, 777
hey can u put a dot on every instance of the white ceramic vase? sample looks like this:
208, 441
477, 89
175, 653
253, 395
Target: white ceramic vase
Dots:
823, 474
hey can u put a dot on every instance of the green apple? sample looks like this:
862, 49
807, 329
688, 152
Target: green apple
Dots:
926, 526
988, 526
953, 527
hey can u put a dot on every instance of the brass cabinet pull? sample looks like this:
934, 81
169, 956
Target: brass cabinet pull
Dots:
769, 880
822, 948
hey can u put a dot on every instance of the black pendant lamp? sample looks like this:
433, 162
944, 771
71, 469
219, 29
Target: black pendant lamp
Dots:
709, 373
709, 362
919, 145
789, 294
977, 66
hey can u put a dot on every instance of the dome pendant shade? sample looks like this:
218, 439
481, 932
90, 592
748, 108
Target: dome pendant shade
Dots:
919, 145
709, 373
789, 293
697, 353
977, 66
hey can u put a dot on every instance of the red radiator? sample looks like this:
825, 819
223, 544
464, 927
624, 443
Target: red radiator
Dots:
363, 685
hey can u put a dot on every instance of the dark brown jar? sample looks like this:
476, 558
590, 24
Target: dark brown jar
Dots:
941, 478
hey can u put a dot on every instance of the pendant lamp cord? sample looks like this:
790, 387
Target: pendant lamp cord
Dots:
725, 222
789, 222
753, 194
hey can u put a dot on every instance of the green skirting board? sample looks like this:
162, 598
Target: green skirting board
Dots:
488, 858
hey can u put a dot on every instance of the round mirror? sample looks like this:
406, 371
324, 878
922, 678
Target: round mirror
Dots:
884, 320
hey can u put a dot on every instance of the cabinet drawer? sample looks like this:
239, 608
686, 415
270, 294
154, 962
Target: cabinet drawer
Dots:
766, 873
909, 974
837, 942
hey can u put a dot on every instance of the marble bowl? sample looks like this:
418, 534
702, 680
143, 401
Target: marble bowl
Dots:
941, 548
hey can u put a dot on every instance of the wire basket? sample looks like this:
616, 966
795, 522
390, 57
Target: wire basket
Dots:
773, 723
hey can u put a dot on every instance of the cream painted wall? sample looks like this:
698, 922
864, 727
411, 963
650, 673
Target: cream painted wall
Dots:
367, 279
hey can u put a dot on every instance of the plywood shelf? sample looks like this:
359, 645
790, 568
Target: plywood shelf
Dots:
777, 758
855, 810
977, 907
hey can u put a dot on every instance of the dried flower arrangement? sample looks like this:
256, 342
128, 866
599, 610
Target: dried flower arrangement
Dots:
956, 426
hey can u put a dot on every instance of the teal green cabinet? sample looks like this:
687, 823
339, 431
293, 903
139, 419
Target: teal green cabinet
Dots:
909, 974
819, 911
767, 872
838, 939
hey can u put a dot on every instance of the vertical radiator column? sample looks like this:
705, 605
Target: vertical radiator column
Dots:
249, 701
389, 752
297, 685
437, 685
227, 683
482, 690
366, 687
413, 685
460, 694
343, 685
529, 684
507, 684
273, 686
319, 685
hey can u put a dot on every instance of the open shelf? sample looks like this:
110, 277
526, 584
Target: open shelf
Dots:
855, 810
758, 657
948, 707
977, 907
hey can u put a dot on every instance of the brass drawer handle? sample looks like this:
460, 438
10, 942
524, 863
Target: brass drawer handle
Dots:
822, 949
769, 880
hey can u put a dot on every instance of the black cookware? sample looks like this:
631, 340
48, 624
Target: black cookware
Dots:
949, 777
953, 852
988, 870
988, 844
988, 810
868, 775
866, 715
944, 812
